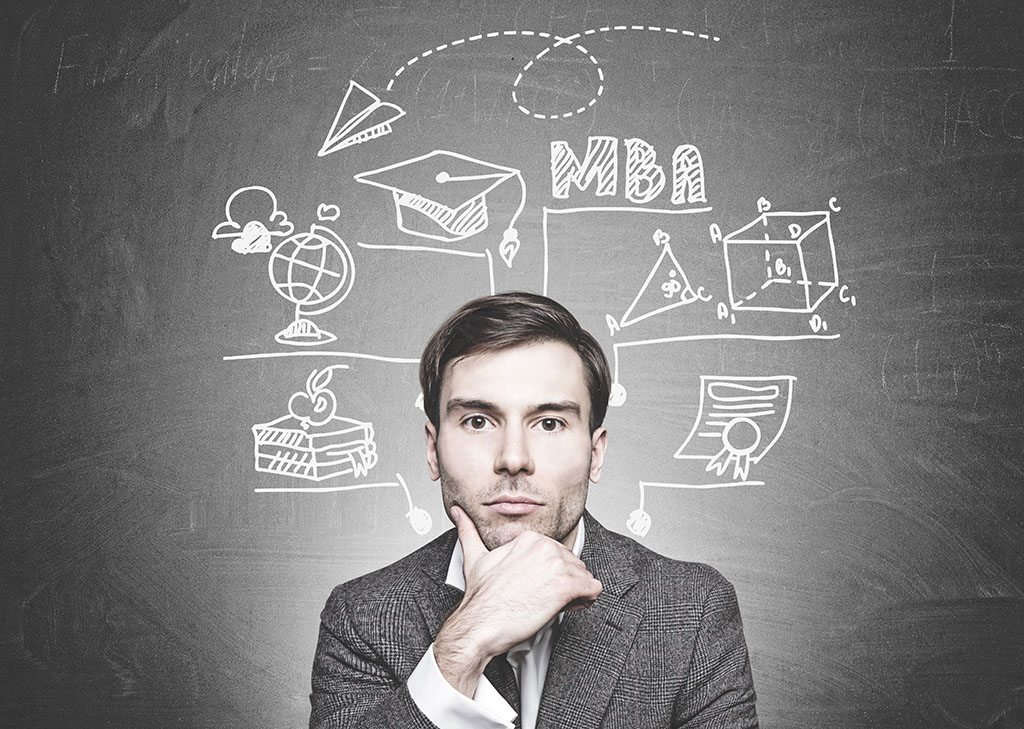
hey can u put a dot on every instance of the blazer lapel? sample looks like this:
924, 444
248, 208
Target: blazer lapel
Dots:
437, 598
438, 601
593, 643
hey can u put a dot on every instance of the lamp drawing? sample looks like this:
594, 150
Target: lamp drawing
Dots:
313, 269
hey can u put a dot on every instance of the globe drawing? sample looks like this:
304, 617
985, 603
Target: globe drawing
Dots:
313, 270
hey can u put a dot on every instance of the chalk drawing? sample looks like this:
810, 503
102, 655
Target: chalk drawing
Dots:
441, 196
419, 518
618, 392
665, 288
361, 117
645, 177
313, 442
252, 220
780, 261
639, 520
738, 421
313, 270
951, 32
555, 42
323, 353
550, 212
687, 175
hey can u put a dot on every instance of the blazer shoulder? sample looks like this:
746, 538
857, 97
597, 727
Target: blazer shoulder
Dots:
401, 578
694, 581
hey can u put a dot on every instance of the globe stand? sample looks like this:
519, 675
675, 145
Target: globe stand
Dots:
303, 333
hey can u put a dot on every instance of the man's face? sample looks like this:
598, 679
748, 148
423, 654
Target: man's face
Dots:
514, 447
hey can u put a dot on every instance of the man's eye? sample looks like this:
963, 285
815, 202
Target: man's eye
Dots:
551, 424
476, 422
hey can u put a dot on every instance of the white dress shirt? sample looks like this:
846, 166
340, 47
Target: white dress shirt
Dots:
449, 709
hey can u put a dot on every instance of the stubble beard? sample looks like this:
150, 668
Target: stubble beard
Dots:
496, 530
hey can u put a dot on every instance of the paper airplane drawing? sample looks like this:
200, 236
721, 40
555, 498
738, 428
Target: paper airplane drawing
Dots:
361, 117
739, 420
665, 288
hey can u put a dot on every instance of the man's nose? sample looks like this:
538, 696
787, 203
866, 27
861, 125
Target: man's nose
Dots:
514, 455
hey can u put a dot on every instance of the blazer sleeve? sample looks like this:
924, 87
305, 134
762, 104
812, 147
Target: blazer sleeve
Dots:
353, 686
719, 689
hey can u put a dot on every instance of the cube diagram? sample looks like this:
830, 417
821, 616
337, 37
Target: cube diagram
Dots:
781, 262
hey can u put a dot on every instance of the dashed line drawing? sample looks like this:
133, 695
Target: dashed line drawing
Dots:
313, 442
738, 421
666, 287
556, 41
361, 117
419, 518
313, 269
781, 261
442, 196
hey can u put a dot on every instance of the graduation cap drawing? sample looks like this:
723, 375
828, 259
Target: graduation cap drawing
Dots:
443, 196
361, 117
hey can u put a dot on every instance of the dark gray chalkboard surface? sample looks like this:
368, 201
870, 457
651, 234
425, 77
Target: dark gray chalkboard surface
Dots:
795, 227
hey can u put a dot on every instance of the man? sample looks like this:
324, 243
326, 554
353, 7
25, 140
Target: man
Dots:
530, 613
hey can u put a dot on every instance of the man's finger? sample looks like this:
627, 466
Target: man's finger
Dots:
580, 603
472, 547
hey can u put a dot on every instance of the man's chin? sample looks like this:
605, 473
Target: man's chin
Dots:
501, 534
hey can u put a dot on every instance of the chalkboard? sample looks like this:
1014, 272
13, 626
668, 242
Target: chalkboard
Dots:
228, 228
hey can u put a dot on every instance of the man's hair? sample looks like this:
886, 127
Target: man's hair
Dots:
511, 319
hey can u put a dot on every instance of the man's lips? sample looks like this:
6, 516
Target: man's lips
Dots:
514, 505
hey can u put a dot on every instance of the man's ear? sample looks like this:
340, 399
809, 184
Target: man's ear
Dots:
432, 467
598, 446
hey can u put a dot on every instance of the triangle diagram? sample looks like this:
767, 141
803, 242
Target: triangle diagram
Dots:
666, 288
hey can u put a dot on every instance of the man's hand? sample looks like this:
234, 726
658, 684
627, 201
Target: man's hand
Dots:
511, 593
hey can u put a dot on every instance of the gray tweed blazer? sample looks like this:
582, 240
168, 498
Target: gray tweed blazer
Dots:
663, 645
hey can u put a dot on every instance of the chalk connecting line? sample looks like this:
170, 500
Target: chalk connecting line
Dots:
558, 41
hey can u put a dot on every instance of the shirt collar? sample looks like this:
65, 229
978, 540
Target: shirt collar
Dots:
458, 580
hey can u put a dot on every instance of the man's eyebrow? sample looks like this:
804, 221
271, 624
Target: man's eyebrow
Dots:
459, 403
562, 406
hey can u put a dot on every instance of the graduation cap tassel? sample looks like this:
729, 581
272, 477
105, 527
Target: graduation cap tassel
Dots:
510, 238
509, 245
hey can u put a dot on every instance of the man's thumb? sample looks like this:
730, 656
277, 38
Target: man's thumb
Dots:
472, 547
